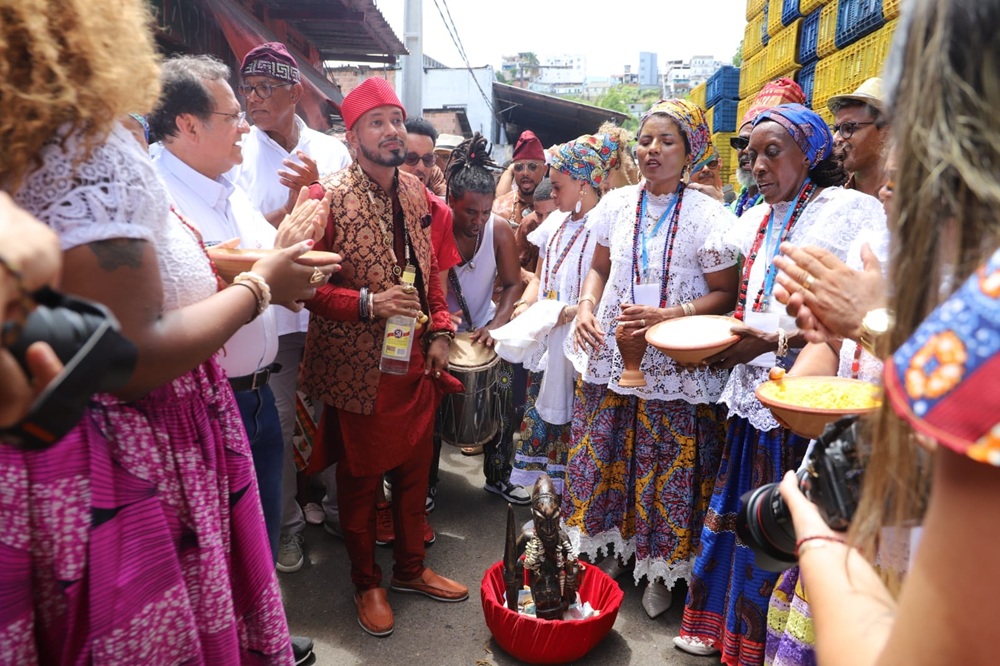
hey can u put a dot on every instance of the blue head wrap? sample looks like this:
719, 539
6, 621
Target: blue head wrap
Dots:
806, 127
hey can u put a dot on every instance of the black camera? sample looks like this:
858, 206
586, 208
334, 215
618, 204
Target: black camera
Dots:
96, 359
831, 480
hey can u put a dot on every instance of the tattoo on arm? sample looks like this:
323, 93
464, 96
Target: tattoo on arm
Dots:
118, 252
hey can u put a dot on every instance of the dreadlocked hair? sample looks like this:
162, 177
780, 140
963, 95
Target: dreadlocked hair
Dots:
470, 168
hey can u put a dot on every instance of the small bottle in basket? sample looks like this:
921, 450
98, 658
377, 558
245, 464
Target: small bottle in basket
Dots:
398, 339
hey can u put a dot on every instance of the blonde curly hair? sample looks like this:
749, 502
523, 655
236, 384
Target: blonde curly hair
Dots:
76, 63
627, 171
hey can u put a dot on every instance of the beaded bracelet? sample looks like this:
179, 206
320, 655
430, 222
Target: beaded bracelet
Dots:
264, 297
816, 541
688, 309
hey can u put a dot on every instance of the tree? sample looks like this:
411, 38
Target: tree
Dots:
738, 58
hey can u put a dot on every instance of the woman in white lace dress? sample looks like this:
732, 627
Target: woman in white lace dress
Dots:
642, 459
139, 537
790, 152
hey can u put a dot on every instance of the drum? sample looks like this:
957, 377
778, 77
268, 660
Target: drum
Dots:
472, 417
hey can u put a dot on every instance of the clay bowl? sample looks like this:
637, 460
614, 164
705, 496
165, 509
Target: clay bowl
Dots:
690, 340
231, 263
804, 405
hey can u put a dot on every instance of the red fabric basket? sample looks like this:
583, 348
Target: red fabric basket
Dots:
535, 641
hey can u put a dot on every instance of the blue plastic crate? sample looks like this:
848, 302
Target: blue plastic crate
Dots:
765, 37
724, 84
724, 117
857, 18
806, 78
809, 38
789, 11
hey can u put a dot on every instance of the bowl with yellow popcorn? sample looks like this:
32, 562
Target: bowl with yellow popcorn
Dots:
805, 405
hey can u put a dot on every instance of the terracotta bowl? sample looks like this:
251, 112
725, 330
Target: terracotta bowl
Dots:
800, 403
231, 263
534, 641
690, 340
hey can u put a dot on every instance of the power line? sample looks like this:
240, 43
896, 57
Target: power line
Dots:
461, 51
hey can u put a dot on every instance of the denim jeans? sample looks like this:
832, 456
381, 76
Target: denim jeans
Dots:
260, 418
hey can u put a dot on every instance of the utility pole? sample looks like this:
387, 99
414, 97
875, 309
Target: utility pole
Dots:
413, 64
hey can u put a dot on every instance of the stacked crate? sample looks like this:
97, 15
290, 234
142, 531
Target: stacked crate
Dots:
830, 47
722, 94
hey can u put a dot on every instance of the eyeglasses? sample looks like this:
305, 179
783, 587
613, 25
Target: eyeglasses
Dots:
429, 159
713, 165
739, 142
263, 90
235, 118
531, 166
848, 129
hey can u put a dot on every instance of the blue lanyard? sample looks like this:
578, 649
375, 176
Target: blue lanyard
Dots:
772, 272
644, 255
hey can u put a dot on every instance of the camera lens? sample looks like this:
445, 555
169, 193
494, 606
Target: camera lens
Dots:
765, 524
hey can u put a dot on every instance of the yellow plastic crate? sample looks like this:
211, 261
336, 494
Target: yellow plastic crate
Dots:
698, 94
825, 114
828, 81
774, 25
755, 7
753, 74
807, 7
752, 43
727, 156
783, 51
710, 118
890, 9
825, 44
743, 107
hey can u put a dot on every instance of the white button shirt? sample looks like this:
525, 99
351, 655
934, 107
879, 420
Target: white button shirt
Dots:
220, 211
258, 176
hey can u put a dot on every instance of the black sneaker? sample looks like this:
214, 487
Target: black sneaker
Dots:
302, 649
429, 504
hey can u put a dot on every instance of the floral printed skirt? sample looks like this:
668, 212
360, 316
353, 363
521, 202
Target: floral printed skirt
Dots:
639, 478
543, 448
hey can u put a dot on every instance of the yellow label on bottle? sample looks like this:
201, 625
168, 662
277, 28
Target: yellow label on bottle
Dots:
397, 341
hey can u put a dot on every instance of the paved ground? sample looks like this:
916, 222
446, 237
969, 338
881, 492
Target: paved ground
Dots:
470, 526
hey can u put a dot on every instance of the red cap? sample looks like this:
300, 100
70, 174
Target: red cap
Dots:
371, 94
528, 147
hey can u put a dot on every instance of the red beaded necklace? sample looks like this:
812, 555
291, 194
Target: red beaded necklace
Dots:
220, 284
551, 270
668, 250
856, 363
758, 303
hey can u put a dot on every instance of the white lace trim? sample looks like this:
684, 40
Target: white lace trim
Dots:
833, 221
699, 247
611, 542
115, 193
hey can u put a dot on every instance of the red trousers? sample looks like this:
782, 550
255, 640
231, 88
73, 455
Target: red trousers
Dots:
356, 498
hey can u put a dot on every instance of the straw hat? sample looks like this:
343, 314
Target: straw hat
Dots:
447, 142
870, 92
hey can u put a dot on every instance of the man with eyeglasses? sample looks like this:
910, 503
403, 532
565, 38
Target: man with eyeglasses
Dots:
420, 159
706, 175
201, 126
528, 168
860, 133
774, 93
281, 154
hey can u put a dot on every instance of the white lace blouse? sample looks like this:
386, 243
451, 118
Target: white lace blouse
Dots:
115, 193
832, 221
699, 248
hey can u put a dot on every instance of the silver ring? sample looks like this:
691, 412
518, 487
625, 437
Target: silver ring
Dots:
317, 277
437, 374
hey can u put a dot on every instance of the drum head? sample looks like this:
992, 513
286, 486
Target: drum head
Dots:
468, 354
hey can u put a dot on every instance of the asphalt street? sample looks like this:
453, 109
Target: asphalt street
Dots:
470, 525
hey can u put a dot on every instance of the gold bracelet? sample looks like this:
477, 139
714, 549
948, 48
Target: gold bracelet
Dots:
688, 309
264, 299
588, 297
519, 303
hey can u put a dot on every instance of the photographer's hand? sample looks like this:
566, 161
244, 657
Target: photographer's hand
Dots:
805, 515
18, 391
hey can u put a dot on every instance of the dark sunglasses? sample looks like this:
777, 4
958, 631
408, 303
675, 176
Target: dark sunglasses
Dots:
531, 166
848, 129
429, 159
739, 142
263, 90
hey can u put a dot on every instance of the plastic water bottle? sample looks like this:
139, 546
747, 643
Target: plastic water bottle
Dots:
398, 339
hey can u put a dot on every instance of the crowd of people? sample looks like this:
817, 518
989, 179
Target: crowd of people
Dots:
382, 268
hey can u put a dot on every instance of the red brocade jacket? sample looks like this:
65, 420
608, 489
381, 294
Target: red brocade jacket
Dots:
342, 353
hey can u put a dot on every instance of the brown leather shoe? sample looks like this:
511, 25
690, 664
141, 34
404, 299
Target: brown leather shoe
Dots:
434, 586
374, 611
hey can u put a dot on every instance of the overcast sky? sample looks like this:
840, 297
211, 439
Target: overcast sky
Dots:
610, 33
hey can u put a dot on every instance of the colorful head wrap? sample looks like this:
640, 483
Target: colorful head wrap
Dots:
587, 158
690, 118
709, 156
777, 92
271, 59
371, 94
528, 147
807, 129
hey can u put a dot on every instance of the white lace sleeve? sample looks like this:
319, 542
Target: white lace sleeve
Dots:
99, 198
543, 232
607, 210
716, 254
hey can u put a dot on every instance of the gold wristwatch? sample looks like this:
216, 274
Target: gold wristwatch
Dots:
875, 329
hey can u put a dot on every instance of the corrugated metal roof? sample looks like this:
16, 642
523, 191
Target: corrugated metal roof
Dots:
553, 119
353, 30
